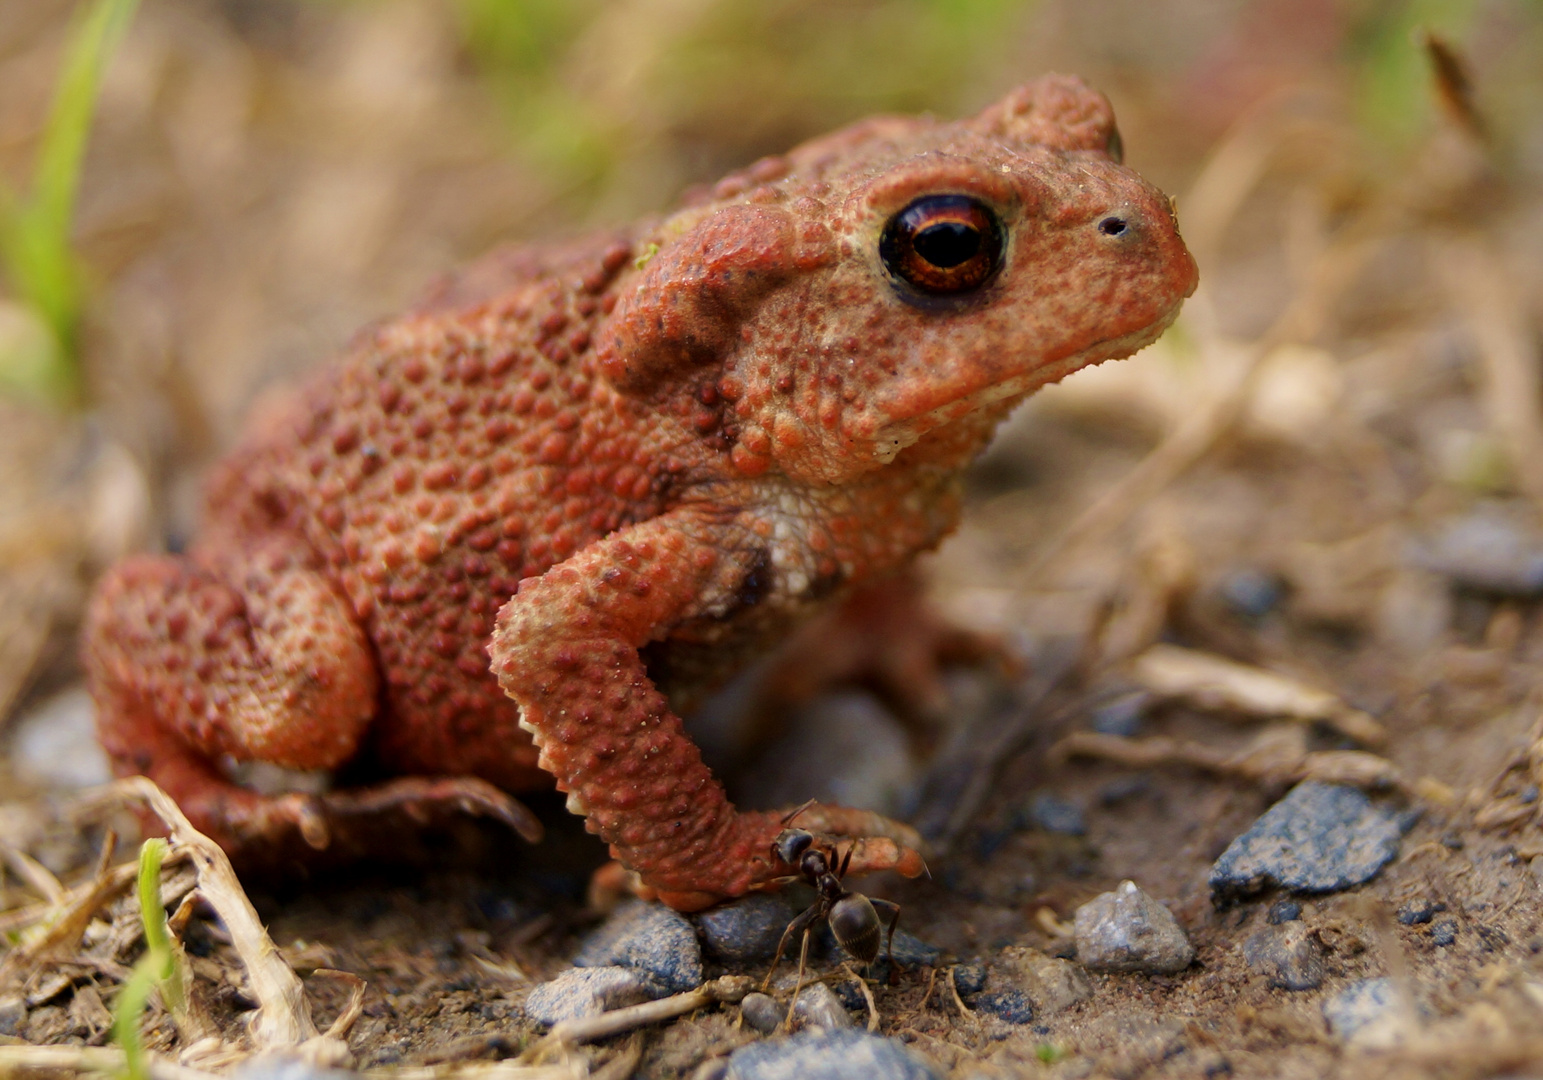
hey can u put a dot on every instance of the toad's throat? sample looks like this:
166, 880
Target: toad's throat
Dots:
891, 439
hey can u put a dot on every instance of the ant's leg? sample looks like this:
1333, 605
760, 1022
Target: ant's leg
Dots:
894, 920
803, 961
800, 922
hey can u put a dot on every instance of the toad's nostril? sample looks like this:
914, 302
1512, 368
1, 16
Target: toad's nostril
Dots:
1112, 226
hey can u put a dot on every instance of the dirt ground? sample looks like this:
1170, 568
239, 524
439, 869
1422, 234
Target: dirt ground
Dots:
1331, 468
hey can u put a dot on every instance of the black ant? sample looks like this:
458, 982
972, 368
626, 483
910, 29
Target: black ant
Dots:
853, 917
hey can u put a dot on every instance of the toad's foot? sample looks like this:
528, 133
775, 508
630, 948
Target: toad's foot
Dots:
877, 843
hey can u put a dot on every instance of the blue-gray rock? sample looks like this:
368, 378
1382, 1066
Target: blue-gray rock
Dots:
1444, 933
1122, 716
1319, 838
1368, 1013
817, 1006
1013, 1006
970, 978
1288, 954
651, 938
1489, 550
1127, 930
762, 1012
13, 1012
746, 930
1252, 593
1283, 911
1419, 911
1053, 814
843, 1054
590, 991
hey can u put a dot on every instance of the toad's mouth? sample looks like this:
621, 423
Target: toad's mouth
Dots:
892, 438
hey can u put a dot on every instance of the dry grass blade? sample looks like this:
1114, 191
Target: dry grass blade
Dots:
1274, 762
1482, 289
21, 1062
726, 989
1214, 682
283, 1015
34, 873
65, 922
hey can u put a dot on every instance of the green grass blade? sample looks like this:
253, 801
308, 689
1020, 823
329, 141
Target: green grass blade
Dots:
152, 967
35, 232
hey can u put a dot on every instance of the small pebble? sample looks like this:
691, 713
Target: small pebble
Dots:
1419, 911
1444, 933
1122, 716
1319, 838
762, 1012
1056, 815
1252, 593
1123, 788
1453, 841
1288, 954
13, 1013
910, 952
970, 978
747, 930
1052, 983
1487, 550
589, 991
1127, 930
56, 746
841, 1054
651, 938
1283, 911
1013, 1006
282, 1065
1366, 1013
817, 1006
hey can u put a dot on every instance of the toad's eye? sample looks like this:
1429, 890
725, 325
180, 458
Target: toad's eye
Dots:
1115, 146
943, 245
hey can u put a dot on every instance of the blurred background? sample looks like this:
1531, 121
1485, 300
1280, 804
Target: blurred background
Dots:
1359, 179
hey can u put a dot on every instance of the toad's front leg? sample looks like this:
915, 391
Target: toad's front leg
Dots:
566, 649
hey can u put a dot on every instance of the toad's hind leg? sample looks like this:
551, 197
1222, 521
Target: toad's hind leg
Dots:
261, 661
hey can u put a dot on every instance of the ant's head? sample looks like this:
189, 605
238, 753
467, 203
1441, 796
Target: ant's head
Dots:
790, 845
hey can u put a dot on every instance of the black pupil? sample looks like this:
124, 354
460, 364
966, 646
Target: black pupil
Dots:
948, 244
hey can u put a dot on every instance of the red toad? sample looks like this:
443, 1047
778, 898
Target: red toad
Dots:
476, 550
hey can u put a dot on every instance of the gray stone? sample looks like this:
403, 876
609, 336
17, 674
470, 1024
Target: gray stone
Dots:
1368, 1013
590, 991
1052, 814
970, 978
55, 745
762, 1012
817, 1006
1053, 984
1283, 911
651, 938
843, 1054
1289, 954
1319, 838
1127, 930
843, 747
746, 930
1444, 933
13, 1013
1012, 1006
1490, 550
1419, 911
1122, 716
